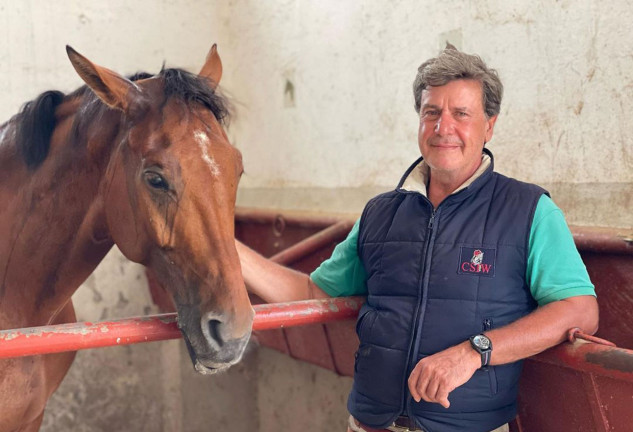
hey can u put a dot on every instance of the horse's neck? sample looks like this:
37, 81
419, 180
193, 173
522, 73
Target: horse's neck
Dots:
52, 230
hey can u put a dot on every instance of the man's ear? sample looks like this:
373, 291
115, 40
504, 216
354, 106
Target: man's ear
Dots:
113, 89
490, 125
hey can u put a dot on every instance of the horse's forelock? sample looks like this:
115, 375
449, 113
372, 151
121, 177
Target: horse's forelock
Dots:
192, 88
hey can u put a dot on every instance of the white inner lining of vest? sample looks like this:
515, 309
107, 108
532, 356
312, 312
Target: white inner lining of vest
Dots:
418, 178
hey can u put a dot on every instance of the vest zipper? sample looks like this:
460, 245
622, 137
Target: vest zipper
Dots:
492, 374
487, 324
419, 314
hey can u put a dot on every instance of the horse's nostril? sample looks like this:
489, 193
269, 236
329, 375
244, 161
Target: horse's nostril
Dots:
215, 331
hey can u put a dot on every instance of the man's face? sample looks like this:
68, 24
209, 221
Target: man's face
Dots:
454, 127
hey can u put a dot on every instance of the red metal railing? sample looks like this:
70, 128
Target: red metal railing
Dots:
78, 336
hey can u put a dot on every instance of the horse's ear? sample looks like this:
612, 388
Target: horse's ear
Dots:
113, 89
212, 68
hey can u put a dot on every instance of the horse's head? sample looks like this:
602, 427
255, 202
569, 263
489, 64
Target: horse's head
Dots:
169, 197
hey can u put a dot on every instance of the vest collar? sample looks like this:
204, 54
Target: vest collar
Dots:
416, 177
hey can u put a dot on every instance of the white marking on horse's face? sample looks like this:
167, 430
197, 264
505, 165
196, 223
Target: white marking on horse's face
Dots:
203, 142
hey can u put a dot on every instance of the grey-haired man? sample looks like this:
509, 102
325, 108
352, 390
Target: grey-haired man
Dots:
466, 271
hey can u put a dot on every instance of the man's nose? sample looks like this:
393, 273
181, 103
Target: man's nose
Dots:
444, 125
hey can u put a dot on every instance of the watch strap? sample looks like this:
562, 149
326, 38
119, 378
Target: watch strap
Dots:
485, 357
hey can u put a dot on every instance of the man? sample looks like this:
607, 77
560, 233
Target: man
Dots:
467, 271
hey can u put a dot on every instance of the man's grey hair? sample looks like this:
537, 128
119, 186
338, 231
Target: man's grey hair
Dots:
453, 64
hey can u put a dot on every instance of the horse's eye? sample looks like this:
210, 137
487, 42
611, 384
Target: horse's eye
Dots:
156, 181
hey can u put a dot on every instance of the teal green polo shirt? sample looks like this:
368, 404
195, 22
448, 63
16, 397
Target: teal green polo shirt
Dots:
555, 270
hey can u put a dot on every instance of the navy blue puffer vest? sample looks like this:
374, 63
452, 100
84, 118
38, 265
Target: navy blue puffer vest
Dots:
435, 277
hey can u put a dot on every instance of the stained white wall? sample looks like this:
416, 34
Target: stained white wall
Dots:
566, 66
124, 36
325, 117
323, 89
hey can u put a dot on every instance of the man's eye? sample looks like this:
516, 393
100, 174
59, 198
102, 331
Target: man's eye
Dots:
431, 113
461, 114
156, 181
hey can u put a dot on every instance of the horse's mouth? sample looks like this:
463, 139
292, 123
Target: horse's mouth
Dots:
205, 367
209, 370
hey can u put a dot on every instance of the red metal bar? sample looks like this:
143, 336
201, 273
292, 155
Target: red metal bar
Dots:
603, 240
295, 218
313, 243
276, 315
78, 336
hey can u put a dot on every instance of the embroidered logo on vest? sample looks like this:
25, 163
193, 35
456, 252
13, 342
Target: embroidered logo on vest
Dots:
477, 261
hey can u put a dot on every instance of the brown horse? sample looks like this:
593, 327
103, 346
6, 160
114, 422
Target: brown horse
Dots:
144, 164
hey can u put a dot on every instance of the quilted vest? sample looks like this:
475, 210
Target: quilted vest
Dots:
435, 277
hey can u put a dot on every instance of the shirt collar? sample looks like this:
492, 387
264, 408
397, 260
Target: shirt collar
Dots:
418, 177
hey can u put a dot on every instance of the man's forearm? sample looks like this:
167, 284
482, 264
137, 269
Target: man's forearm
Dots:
273, 282
435, 376
545, 327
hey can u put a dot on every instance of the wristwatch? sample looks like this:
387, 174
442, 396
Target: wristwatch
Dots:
482, 344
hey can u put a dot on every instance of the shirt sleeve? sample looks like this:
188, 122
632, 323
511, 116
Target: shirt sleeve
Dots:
555, 270
343, 273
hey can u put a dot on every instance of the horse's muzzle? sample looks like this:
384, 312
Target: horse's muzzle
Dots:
215, 345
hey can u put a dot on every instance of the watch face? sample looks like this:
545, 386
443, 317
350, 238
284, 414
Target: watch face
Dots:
481, 341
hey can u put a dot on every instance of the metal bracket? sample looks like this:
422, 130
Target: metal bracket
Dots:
577, 333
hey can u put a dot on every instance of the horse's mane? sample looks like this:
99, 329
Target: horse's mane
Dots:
35, 125
35, 122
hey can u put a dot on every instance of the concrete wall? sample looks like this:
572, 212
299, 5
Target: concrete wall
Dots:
324, 120
326, 100
566, 66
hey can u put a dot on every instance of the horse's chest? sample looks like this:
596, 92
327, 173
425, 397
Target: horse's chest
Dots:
23, 391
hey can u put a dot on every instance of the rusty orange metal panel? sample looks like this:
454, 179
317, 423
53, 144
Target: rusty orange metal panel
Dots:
577, 387
616, 399
545, 404
612, 274
275, 339
310, 344
343, 343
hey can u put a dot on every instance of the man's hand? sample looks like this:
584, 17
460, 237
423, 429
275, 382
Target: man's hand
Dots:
434, 377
